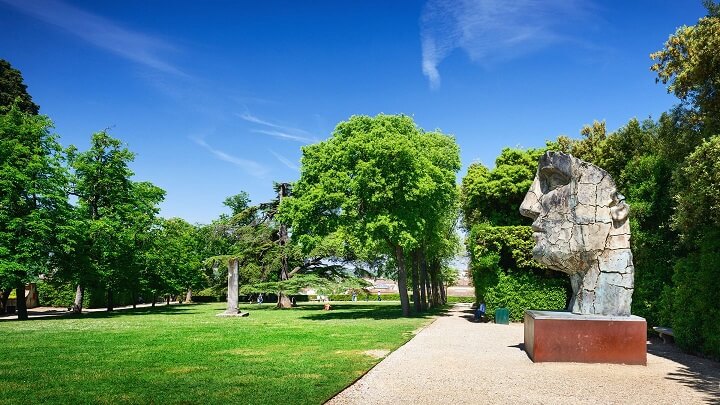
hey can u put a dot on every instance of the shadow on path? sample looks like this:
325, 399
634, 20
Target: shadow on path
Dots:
700, 374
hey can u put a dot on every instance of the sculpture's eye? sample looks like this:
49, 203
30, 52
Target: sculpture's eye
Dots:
552, 178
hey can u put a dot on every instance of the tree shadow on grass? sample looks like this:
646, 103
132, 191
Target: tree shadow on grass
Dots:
363, 311
64, 315
700, 374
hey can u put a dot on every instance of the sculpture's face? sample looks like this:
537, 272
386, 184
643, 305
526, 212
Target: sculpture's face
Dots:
573, 205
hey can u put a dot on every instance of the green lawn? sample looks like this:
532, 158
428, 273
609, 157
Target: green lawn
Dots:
185, 354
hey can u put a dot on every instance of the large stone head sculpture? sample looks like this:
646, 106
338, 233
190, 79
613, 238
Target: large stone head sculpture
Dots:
580, 226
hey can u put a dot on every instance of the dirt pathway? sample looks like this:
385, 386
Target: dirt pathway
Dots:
456, 361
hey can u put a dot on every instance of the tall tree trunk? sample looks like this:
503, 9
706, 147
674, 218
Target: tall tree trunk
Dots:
402, 280
435, 283
5, 295
109, 299
423, 281
167, 299
79, 297
415, 281
283, 300
21, 309
188, 295
134, 300
154, 299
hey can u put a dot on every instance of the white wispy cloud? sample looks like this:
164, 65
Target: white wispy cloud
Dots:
250, 166
287, 162
277, 130
491, 30
284, 135
101, 32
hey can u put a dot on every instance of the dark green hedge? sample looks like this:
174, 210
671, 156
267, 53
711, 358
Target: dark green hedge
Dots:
506, 276
453, 300
696, 298
55, 295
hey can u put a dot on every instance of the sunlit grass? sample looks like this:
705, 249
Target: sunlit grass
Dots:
185, 354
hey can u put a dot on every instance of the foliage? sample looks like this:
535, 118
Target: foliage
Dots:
494, 196
32, 197
503, 271
698, 196
449, 275
695, 297
14, 91
648, 189
295, 285
172, 261
381, 181
518, 291
115, 215
55, 295
238, 202
209, 295
697, 276
690, 65
183, 353
466, 300
505, 275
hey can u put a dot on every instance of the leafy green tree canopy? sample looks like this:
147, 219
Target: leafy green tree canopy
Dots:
32, 197
494, 196
689, 64
12, 88
381, 180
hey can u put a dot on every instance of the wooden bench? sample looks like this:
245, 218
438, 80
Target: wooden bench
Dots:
666, 334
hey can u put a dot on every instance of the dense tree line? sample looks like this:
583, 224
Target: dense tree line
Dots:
77, 218
382, 204
669, 171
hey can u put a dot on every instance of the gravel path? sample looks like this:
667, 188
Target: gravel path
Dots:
460, 362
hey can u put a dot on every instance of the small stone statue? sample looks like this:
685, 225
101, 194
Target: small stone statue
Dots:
580, 226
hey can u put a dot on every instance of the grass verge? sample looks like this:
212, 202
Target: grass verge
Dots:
185, 354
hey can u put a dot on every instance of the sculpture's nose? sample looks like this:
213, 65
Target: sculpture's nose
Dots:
530, 206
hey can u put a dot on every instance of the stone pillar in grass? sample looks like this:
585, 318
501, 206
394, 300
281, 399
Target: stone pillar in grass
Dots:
232, 291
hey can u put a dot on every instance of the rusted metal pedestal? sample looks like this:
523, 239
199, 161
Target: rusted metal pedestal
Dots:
567, 337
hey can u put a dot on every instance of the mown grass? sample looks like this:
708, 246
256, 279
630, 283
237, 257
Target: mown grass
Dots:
185, 354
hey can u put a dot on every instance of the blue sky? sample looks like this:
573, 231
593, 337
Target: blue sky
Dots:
216, 97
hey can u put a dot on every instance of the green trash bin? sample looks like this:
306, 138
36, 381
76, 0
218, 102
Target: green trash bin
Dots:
502, 315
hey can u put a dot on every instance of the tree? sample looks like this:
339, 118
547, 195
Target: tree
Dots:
697, 275
238, 202
494, 196
32, 198
173, 264
245, 241
14, 90
379, 180
690, 65
116, 213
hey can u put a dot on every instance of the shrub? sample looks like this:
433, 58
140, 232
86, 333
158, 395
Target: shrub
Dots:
454, 300
695, 309
55, 294
506, 276
209, 295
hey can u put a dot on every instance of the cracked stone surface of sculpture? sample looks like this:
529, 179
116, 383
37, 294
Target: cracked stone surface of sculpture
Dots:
580, 226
